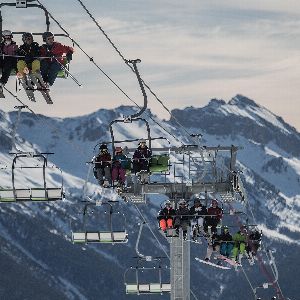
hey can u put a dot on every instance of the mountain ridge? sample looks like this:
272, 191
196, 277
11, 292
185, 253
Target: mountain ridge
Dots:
269, 166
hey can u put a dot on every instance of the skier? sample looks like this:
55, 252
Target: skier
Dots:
56, 52
213, 245
197, 212
8, 60
165, 216
214, 217
119, 164
141, 160
30, 51
253, 244
103, 166
226, 245
182, 217
239, 240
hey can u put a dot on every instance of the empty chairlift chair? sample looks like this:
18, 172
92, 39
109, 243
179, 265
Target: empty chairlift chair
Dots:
137, 279
95, 233
34, 193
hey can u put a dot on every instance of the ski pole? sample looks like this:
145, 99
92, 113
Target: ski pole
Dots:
69, 73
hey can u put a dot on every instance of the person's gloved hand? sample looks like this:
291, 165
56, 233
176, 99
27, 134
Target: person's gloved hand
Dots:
69, 56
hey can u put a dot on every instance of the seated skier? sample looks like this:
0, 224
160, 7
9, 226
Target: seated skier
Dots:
141, 160
213, 245
226, 244
253, 244
239, 247
165, 216
214, 216
8, 60
52, 57
103, 166
30, 51
197, 212
119, 164
182, 219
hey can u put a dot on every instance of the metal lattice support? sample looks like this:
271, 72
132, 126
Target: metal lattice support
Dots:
180, 268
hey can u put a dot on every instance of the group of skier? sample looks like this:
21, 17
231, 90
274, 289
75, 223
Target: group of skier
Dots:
47, 59
111, 171
204, 221
200, 218
234, 247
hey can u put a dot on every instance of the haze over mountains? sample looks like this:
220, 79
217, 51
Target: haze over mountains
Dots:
39, 260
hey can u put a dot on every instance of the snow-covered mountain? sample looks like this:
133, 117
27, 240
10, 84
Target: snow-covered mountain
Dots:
39, 260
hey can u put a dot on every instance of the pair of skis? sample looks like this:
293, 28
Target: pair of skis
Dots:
34, 81
220, 258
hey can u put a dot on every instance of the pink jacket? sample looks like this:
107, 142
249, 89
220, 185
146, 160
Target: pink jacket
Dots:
9, 49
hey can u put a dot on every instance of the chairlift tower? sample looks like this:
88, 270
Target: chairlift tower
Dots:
180, 267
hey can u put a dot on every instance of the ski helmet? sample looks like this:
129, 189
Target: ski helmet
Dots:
182, 202
118, 149
168, 203
197, 200
225, 228
26, 35
243, 229
7, 33
214, 202
46, 35
103, 147
142, 141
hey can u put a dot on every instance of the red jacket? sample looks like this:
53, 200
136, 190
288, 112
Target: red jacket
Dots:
102, 160
216, 212
10, 49
56, 50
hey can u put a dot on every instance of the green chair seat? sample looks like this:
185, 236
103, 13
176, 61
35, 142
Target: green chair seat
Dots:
159, 163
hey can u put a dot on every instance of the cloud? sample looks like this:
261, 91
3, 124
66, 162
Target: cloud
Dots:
191, 52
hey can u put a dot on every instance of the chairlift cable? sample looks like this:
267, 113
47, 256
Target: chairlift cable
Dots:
105, 74
145, 220
247, 278
132, 69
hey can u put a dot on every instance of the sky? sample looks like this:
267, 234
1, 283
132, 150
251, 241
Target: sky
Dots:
191, 51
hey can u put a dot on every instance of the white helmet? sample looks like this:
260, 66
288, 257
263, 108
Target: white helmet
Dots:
182, 202
142, 141
168, 203
6, 33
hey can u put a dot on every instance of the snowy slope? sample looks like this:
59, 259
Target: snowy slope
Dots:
32, 233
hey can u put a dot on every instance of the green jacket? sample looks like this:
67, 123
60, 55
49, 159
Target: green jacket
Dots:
239, 238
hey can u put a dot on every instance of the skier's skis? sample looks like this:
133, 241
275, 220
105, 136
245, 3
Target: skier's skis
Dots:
38, 81
211, 264
228, 260
28, 88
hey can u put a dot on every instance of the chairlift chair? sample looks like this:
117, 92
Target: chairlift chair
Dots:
34, 194
110, 236
135, 285
64, 72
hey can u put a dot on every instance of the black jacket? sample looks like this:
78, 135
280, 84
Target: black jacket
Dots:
183, 213
198, 211
225, 236
31, 52
166, 213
